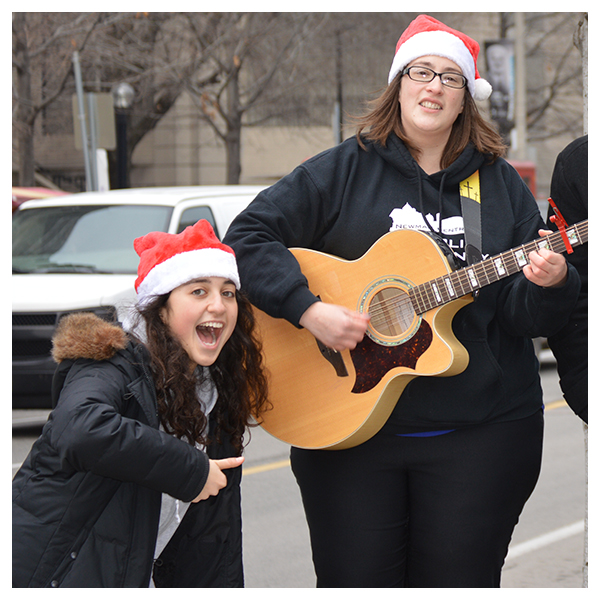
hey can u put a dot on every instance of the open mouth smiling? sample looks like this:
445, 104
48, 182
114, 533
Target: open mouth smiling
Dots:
209, 333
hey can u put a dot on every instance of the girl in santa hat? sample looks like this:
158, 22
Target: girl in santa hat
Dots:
135, 480
432, 498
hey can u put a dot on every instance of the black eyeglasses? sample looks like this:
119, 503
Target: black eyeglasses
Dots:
425, 75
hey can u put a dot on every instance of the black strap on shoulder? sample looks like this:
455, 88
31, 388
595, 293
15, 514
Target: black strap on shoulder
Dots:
469, 191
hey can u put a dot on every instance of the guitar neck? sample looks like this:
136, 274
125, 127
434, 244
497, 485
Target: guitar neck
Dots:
447, 288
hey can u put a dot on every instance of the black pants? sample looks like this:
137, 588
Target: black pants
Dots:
419, 512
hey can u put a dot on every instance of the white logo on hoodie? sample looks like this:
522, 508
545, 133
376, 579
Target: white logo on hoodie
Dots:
452, 229
409, 218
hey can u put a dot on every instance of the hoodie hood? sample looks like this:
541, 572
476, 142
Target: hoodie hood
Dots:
432, 188
396, 153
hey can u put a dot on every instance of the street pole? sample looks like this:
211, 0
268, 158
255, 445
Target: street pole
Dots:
520, 89
581, 41
338, 116
93, 112
123, 97
81, 115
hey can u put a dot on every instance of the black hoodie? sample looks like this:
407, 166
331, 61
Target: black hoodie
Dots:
344, 199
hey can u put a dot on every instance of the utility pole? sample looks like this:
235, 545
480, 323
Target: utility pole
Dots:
520, 145
81, 116
581, 42
338, 118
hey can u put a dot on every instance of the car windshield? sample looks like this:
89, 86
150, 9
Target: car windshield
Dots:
82, 239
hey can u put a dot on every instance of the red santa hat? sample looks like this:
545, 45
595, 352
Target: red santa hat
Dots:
170, 260
426, 36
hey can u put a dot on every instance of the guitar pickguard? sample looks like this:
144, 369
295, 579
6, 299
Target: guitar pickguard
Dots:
373, 361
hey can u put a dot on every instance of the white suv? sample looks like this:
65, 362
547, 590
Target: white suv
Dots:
75, 253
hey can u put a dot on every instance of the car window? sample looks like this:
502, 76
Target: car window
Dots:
83, 239
192, 215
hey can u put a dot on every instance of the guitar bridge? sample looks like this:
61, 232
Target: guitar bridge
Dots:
333, 357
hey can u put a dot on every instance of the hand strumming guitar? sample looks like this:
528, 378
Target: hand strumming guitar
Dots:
335, 326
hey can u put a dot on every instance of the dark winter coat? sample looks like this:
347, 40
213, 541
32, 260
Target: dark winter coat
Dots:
343, 200
569, 190
87, 499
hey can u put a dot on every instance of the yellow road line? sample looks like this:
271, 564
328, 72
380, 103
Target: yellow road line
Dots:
286, 462
265, 468
555, 405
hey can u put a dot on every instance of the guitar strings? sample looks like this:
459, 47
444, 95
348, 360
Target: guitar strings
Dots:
395, 310
401, 306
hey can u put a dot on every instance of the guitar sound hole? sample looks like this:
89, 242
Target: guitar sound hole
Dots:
392, 313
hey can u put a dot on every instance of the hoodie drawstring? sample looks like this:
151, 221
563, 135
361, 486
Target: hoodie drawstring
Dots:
421, 200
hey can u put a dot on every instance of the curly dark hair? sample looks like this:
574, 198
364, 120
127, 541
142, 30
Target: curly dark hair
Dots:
237, 375
383, 117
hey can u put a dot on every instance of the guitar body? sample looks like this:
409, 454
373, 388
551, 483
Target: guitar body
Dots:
321, 403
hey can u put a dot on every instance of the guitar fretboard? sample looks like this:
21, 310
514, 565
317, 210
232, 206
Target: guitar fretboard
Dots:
452, 286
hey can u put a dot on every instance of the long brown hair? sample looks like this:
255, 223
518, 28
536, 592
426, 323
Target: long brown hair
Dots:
383, 117
237, 375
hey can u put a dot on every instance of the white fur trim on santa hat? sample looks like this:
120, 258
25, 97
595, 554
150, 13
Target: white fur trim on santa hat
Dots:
185, 267
482, 89
437, 43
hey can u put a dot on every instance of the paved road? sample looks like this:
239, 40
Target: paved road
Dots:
546, 551
547, 545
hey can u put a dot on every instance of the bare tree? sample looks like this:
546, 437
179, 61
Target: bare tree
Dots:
153, 53
146, 50
36, 35
243, 53
555, 75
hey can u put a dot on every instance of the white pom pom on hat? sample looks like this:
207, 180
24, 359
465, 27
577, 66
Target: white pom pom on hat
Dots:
426, 36
170, 260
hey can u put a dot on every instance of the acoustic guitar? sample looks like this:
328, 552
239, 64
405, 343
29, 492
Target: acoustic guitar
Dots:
323, 399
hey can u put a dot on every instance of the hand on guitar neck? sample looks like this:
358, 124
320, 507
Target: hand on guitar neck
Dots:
335, 326
547, 268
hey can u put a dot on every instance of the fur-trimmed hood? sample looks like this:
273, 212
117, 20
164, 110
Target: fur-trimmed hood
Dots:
87, 336
89, 493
